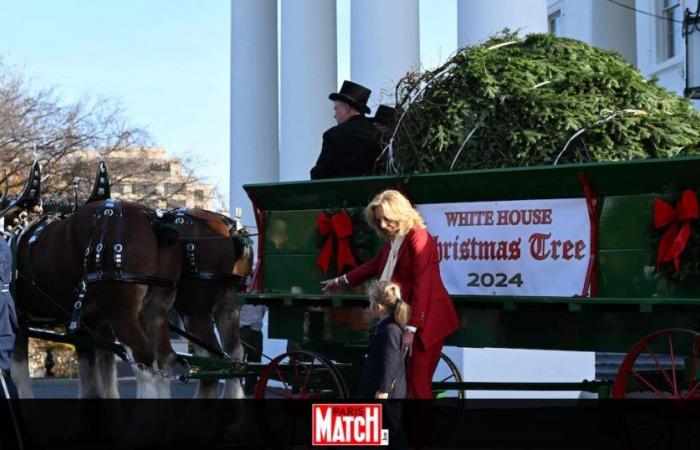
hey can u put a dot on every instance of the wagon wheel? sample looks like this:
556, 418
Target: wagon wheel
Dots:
301, 375
662, 365
295, 375
447, 414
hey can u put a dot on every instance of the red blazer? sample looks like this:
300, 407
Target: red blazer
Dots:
417, 272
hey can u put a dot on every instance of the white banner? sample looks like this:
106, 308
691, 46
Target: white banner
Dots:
522, 247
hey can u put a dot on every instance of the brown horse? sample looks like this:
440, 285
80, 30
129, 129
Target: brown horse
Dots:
217, 260
107, 270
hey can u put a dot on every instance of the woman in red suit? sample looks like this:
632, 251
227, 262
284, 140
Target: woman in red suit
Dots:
410, 259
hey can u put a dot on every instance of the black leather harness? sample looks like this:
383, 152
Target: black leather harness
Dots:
94, 257
191, 271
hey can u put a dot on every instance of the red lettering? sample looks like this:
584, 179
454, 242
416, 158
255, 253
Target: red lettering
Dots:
451, 218
502, 217
555, 254
537, 245
566, 249
580, 247
546, 216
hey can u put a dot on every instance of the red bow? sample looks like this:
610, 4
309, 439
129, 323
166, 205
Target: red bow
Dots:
676, 236
337, 226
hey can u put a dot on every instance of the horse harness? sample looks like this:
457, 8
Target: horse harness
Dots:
191, 270
94, 263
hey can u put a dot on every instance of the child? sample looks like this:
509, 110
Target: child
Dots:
384, 372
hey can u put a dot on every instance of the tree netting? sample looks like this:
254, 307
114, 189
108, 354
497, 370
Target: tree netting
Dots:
536, 100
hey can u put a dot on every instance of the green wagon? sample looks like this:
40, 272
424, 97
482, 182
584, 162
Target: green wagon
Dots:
626, 305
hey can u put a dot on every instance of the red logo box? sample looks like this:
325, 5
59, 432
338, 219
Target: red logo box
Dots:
348, 424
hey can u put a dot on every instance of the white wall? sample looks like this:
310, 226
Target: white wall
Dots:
576, 18
671, 73
479, 19
614, 28
599, 23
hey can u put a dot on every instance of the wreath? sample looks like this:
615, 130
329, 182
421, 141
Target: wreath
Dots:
676, 234
345, 239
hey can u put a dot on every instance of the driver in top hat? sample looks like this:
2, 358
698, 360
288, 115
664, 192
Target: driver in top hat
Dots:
351, 147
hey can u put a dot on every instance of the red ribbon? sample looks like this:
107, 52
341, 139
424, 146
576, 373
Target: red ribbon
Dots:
677, 219
338, 226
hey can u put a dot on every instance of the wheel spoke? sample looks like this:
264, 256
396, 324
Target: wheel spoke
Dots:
694, 361
278, 393
279, 374
447, 378
658, 366
309, 369
647, 383
324, 383
673, 365
295, 367
692, 391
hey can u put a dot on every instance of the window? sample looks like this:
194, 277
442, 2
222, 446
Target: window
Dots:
172, 188
160, 167
199, 195
668, 29
554, 20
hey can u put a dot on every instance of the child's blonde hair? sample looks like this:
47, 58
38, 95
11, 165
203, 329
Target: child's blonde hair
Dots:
388, 294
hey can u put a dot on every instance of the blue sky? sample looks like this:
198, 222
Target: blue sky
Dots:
166, 62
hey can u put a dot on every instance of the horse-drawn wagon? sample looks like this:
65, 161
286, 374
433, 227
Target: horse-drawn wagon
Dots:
563, 258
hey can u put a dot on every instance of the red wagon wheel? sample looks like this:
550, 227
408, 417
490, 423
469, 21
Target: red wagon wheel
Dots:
663, 364
301, 375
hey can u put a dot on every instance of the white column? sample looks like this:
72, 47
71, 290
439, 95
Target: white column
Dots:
309, 72
254, 131
479, 19
384, 45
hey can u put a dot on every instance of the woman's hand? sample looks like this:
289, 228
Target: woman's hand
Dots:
332, 286
408, 343
381, 395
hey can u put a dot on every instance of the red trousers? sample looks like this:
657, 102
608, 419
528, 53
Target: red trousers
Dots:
420, 367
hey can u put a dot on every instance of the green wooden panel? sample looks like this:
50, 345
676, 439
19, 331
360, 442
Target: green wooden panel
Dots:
294, 232
297, 274
632, 274
613, 329
615, 178
291, 232
625, 222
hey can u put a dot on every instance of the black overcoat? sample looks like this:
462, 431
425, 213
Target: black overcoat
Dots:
349, 150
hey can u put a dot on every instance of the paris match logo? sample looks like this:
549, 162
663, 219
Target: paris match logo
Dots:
348, 424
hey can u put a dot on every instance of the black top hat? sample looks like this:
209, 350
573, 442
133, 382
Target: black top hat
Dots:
385, 115
353, 94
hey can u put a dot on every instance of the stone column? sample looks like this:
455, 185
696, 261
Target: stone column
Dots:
254, 114
309, 72
384, 45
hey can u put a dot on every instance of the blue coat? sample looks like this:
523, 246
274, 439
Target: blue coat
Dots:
8, 316
384, 368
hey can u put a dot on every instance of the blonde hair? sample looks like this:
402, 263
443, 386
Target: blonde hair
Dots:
388, 294
396, 207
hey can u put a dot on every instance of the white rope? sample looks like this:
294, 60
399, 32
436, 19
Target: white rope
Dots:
462, 146
608, 117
